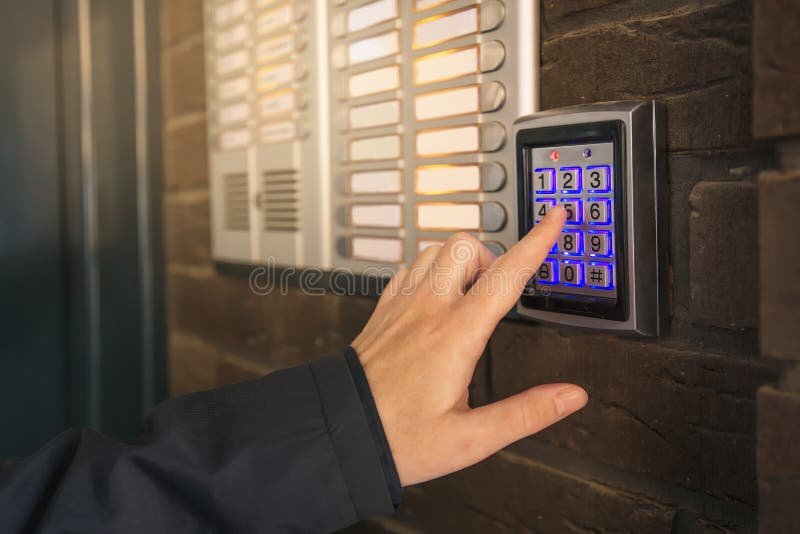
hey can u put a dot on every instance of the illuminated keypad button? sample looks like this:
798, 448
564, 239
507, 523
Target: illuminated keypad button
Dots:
573, 209
571, 243
571, 273
598, 179
548, 272
598, 243
541, 206
569, 180
544, 180
598, 211
599, 275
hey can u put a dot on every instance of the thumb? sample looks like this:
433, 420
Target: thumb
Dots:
501, 423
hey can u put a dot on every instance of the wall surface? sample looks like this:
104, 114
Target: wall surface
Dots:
668, 440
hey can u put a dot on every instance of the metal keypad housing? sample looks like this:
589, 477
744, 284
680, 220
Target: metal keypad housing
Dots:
603, 163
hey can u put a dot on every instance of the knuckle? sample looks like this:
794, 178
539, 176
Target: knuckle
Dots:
536, 415
462, 236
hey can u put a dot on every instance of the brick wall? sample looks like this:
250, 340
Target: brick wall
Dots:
668, 441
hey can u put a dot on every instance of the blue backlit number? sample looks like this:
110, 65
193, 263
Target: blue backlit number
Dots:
568, 180
541, 182
594, 178
569, 273
543, 210
569, 243
596, 243
544, 271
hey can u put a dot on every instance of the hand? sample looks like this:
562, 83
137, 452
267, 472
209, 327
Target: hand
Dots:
420, 347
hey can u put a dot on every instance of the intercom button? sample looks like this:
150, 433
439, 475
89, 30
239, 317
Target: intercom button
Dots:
600, 275
544, 180
598, 211
571, 273
573, 209
598, 179
598, 243
569, 180
571, 243
548, 272
541, 206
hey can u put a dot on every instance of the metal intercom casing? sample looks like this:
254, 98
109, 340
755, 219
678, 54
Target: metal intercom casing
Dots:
605, 164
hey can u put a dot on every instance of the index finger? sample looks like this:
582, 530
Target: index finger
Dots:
497, 290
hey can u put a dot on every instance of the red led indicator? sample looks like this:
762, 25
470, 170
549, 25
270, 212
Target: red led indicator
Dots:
554, 155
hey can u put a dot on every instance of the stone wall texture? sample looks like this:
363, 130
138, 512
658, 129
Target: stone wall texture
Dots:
668, 440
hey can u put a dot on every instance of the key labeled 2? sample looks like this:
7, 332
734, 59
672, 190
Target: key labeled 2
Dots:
569, 180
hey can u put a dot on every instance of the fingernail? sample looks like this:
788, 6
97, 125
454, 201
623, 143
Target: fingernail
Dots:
569, 400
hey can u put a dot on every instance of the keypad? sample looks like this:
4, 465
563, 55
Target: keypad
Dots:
579, 178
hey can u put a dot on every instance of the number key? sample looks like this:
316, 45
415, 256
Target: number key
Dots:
541, 206
571, 273
569, 180
544, 180
548, 272
573, 209
571, 243
598, 243
598, 179
598, 210
599, 275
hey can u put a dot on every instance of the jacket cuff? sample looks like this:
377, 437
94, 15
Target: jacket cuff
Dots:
375, 425
353, 443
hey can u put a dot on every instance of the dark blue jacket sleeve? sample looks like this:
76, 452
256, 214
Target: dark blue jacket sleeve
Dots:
292, 451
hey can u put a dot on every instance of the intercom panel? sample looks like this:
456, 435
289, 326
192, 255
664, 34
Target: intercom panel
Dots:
355, 133
604, 164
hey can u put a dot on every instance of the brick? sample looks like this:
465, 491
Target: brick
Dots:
694, 59
180, 19
683, 416
776, 77
723, 258
779, 242
685, 171
187, 231
183, 78
280, 330
510, 493
192, 364
561, 17
186, 154
778, 461
556, 9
